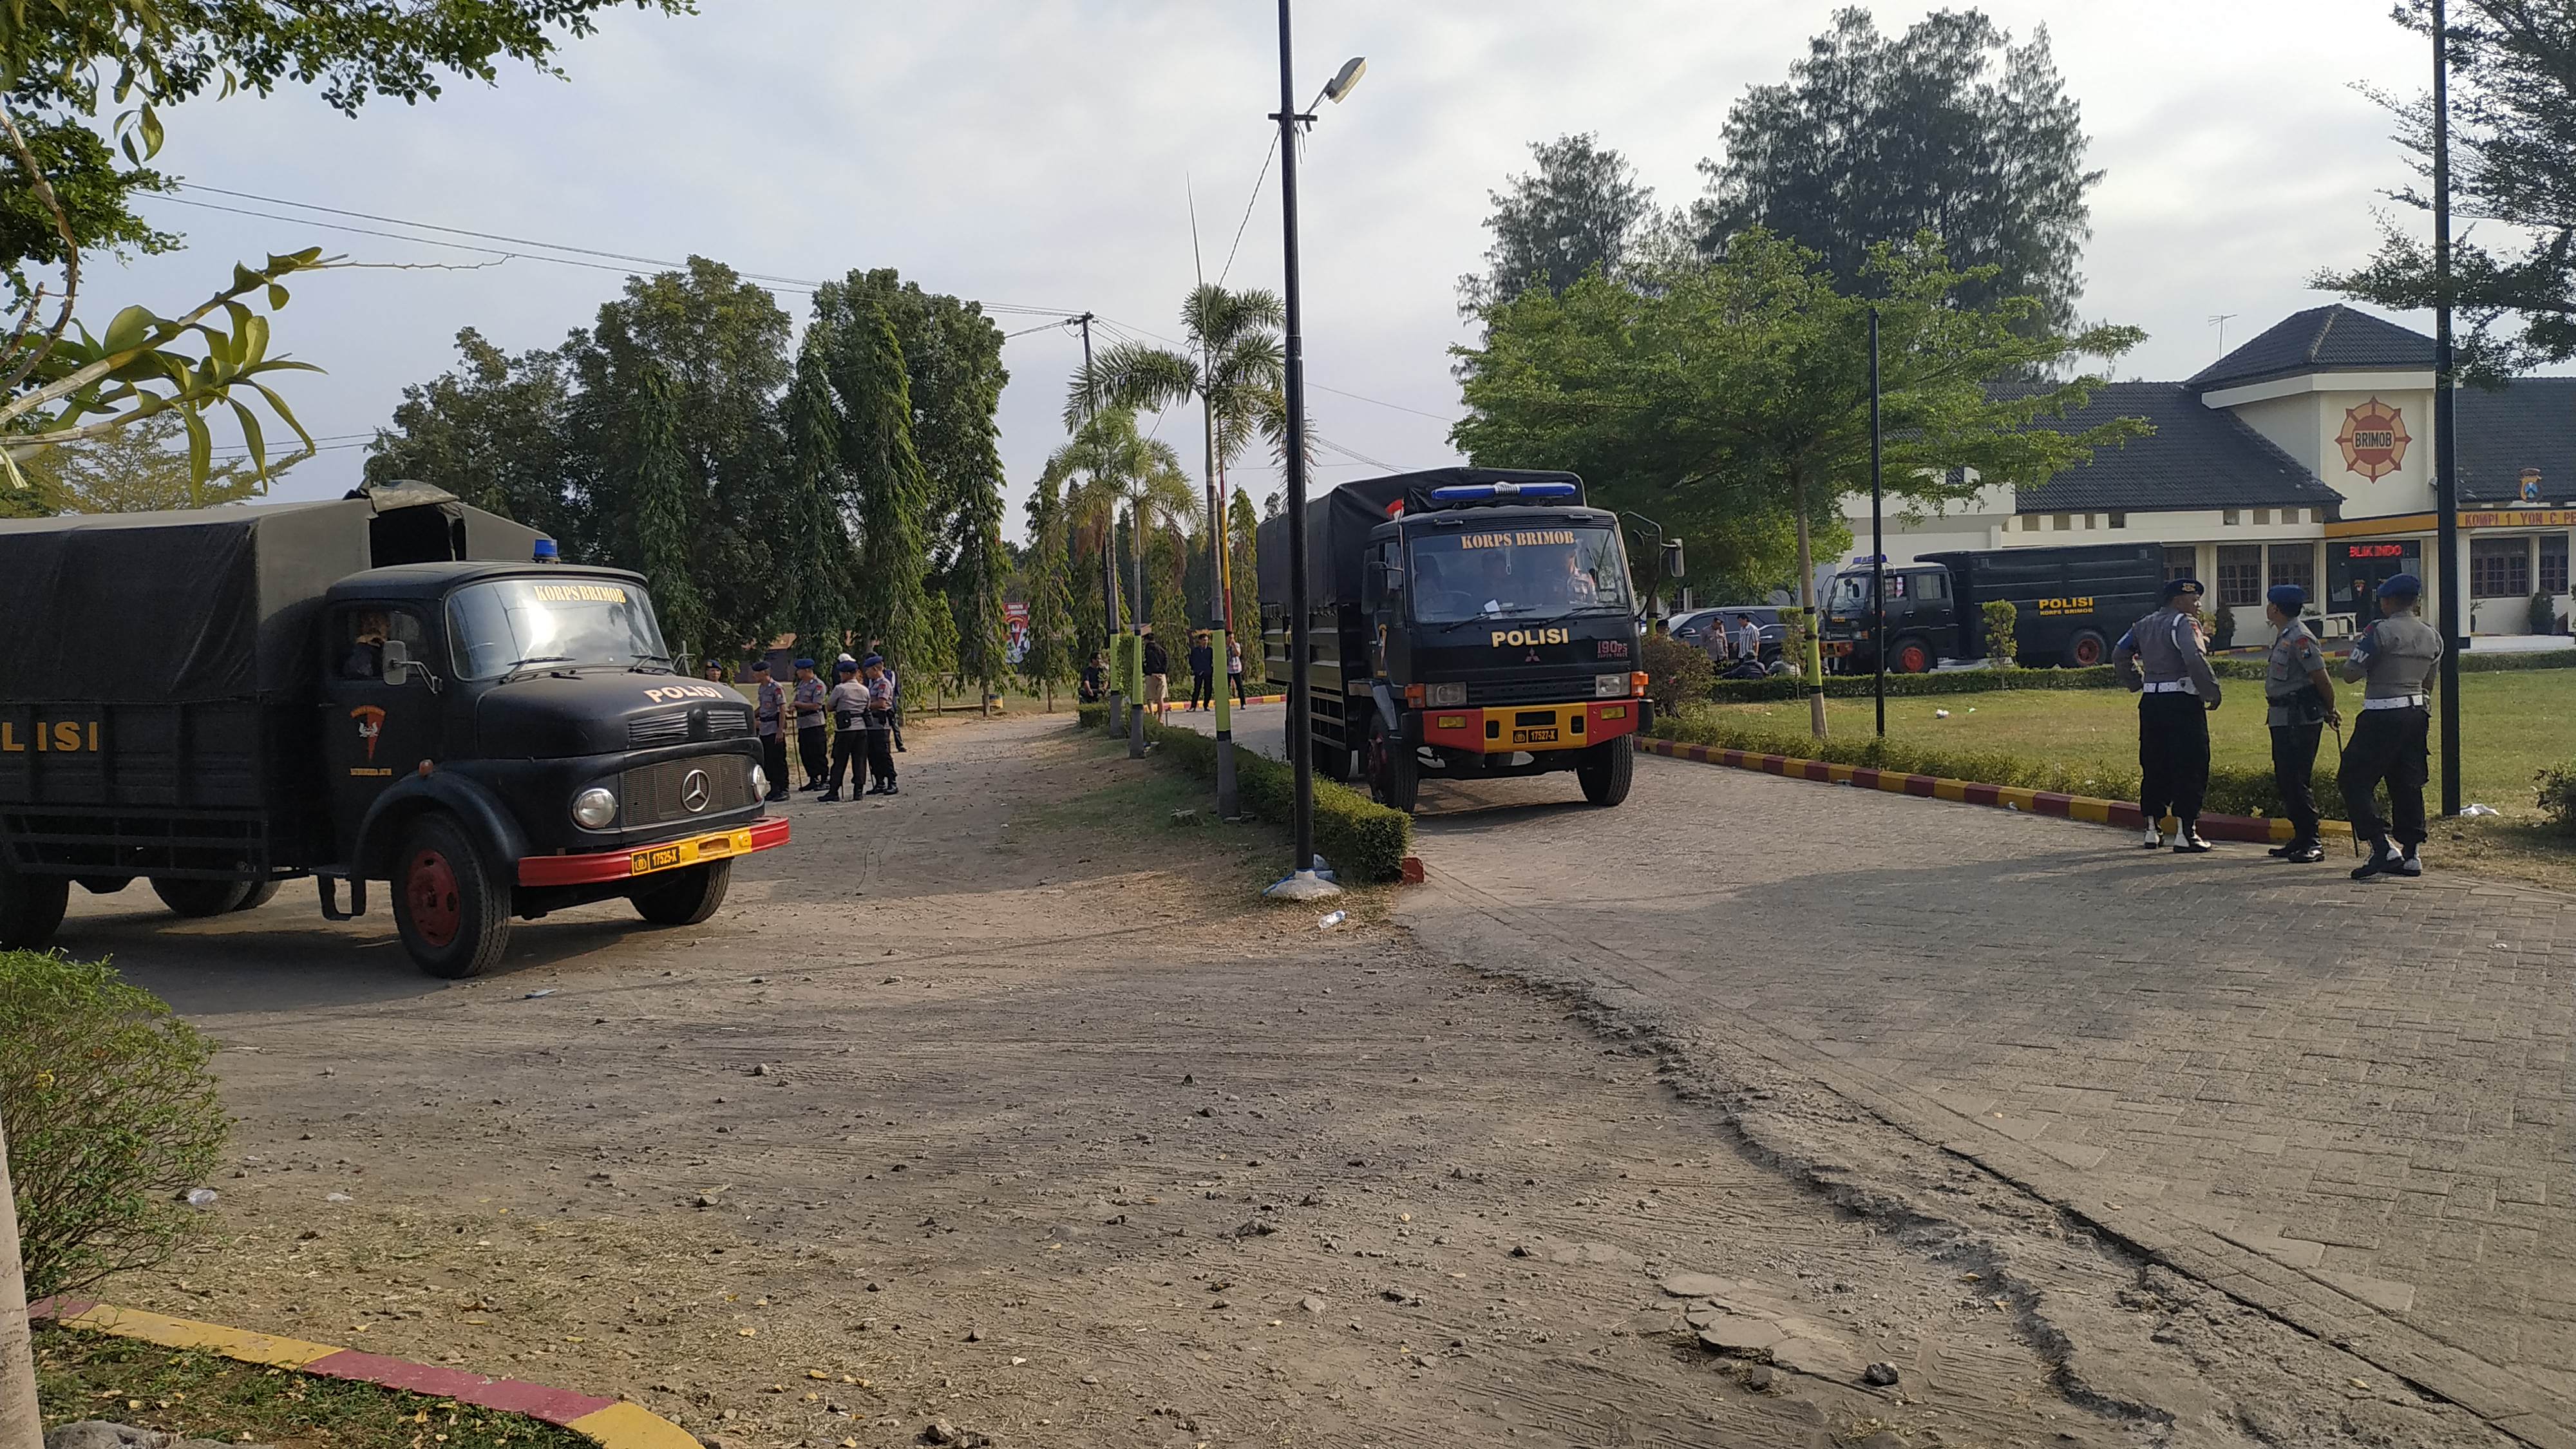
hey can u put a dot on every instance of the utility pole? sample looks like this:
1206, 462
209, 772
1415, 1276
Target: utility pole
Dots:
1108, 555
1877, 531
22, 1426
2446, 414
1136, 616
1301, 880
1220, 605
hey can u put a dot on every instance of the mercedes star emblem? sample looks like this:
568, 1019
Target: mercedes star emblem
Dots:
694, 791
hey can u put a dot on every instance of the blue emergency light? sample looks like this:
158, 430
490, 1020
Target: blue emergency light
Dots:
1478, 492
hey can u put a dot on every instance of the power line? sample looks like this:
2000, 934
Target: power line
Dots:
1381, 402
1249, 202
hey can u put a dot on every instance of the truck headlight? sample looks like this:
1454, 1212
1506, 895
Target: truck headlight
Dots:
1609, 686
595, 808
759, 782
1446, 696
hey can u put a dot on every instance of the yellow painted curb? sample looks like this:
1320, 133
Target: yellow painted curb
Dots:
233, 1343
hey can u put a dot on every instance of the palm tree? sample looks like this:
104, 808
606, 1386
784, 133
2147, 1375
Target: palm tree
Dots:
1121, 468
1234, 366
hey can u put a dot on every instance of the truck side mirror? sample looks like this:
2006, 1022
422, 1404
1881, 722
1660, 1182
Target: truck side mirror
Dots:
397, 662
1673, 558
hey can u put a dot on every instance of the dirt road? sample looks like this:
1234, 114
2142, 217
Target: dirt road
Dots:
1002, 1102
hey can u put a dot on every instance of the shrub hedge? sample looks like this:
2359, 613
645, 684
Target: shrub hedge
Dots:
2100, 676
2555, 789
2232, 791
1361, 839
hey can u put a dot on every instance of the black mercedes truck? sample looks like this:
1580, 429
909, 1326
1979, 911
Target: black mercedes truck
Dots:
2068, 605
1467, 623
392, 687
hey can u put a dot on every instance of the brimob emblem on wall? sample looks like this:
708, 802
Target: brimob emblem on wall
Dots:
2373, 439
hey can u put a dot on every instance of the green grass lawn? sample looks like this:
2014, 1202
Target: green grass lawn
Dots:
2511, 725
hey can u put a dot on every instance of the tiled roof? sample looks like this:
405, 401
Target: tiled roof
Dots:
2199, 457
2529, 423
2322, 339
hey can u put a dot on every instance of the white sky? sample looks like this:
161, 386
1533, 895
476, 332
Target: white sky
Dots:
1037, 153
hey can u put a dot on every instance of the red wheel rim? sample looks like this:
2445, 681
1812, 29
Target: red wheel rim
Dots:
1910, 659
2088, 651
429, 891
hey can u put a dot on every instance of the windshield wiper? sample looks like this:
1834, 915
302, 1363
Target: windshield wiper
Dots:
668, 665
519, 664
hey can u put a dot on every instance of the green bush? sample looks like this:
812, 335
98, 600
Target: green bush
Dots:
1675, 672
2002, 620
110, 1114
2542, 616
2232, 791
1361, 839
2557, 795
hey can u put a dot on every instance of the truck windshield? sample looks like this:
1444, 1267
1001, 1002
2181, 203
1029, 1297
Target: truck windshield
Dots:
495, 627
1541, 572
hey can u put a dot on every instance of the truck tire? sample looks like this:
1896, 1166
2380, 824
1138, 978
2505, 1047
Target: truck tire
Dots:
199, 898
685, 897
453, 914
1395, 771
2087, 649
1912, 654
31, 908
1606, 770
261, 893
103, 885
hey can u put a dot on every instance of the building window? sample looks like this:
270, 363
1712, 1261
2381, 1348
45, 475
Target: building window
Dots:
2181, 563
2240, 574
2119, 520
2499, 568
2061, 522
2088, 521
2230, 518
2262, 515
2553, 563
2291, 563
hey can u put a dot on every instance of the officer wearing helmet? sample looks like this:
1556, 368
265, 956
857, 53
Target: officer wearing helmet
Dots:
2396, 655
2162, 661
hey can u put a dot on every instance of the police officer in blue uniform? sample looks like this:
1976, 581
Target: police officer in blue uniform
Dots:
2298, 700
2397, 656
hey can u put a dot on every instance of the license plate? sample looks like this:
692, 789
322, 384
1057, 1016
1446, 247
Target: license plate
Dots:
1534, 737
687, 852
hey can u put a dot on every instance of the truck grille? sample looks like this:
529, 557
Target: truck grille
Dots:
679, 726
1530, 691
657, 793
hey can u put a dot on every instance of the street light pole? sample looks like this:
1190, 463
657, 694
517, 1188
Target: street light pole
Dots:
1877, 532
2446, 413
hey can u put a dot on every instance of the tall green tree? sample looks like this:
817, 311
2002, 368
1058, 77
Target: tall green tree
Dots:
893, 495
819, 596
664, 495
1580, 209
1738, 393
2513, 166
497, 433
1050, 659
1233, 365
134, 470
1112, 469
1950, 128
1243, 529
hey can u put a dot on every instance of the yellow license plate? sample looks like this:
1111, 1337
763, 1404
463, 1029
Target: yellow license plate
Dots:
687, 852
1534, 737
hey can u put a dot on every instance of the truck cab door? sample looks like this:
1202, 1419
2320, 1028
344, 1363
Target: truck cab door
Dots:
380, 706
1382, 596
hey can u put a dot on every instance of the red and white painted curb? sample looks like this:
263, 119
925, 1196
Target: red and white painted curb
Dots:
2252, 828
611, 1423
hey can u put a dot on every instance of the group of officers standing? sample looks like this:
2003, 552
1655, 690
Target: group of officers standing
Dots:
862, 705
2163, 659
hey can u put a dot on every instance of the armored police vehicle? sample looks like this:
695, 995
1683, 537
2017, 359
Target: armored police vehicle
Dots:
391, 687
2068, 605
1465, 622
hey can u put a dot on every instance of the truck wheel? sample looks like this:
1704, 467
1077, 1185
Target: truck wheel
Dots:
195, 898
31, 908
453, 916
104, 885
2086, 649
1606, 771
261, 893
686, 897
1395, 771
1913, 654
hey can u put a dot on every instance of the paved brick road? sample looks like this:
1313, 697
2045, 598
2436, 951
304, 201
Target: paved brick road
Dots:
2350, 1101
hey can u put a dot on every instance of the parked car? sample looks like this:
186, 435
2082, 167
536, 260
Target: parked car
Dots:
1700, 626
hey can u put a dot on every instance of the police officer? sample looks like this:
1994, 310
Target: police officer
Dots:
807, 705
2298, 698
769, 720
2162, 661
2396, 655
849, 702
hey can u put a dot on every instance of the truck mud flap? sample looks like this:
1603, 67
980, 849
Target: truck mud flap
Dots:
330, 889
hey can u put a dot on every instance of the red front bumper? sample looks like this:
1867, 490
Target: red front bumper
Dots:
1536, 728
561, 870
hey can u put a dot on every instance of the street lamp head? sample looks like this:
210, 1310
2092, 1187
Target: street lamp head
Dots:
1338, 89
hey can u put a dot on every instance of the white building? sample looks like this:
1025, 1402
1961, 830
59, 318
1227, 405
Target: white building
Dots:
2305, 456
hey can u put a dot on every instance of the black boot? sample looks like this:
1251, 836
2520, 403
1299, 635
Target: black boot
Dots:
2383, 861
2308, 853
